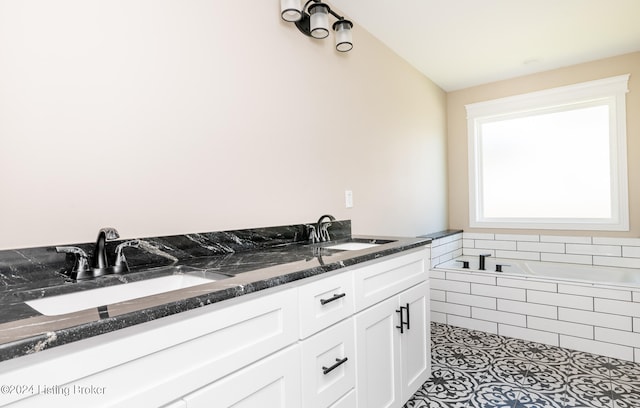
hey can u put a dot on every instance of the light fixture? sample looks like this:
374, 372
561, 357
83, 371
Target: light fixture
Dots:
313, 20
343, 35
291, 10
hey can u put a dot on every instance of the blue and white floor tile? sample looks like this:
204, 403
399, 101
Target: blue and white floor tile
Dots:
472, 369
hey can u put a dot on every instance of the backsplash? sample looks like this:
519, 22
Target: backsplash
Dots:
600, 251
26, 265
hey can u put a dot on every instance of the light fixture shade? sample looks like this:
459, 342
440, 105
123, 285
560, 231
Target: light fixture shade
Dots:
319, 25
290, 10
342, 30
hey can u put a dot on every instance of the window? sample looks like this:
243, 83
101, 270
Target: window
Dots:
551, 159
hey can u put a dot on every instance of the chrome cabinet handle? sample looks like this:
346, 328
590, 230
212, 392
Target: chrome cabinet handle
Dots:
334, 297
339, 362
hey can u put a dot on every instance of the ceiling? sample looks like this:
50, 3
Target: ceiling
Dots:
463, 43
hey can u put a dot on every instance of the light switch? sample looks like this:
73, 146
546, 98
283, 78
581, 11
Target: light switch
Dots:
348, 198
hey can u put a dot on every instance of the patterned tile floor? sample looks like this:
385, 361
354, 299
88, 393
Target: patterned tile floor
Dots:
474, 369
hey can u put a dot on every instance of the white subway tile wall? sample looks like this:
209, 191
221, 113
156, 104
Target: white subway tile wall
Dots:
514, 319
560, 299
602, 251
539, 336
499, 292
473, 324
630, 252
528, 256
599, 347
551, 247
566, 240
594, 291
438, 317
617, 262
608, 250
528, 309
617, 307
593, 318
445, 249
616, 241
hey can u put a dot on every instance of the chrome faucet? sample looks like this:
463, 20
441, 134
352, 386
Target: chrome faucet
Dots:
100, 252
320, 231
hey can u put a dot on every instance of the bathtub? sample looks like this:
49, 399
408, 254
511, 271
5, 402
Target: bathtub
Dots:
594, 309
591, 274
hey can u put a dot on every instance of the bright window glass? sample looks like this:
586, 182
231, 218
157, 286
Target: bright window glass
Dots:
551, 159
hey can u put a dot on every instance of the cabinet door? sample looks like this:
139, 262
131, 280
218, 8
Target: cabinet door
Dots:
415, 341
272, 382
328, 365
377, 356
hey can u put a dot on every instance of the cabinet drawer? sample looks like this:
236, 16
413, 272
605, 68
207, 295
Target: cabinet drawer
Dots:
347, 401
376, 282
328, 365
325, 302
272, 382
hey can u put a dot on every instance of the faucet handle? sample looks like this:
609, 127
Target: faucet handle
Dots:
121, 260
313, 234
322, 229
81, 259
324, 232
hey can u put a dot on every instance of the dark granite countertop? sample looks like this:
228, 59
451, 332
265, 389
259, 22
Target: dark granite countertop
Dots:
259, 262
441, 234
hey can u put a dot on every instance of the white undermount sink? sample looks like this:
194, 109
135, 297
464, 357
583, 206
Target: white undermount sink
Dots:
352, 246
87, 299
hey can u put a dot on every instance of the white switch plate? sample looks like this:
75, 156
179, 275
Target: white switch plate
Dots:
348, 198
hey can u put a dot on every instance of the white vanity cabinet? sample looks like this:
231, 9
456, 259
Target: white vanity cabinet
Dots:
392, 335
331, 341
155, 363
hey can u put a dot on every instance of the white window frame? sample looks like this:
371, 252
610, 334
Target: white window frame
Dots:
613, 90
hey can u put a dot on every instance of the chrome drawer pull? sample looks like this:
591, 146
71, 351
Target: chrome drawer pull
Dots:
338, 363
335, 297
